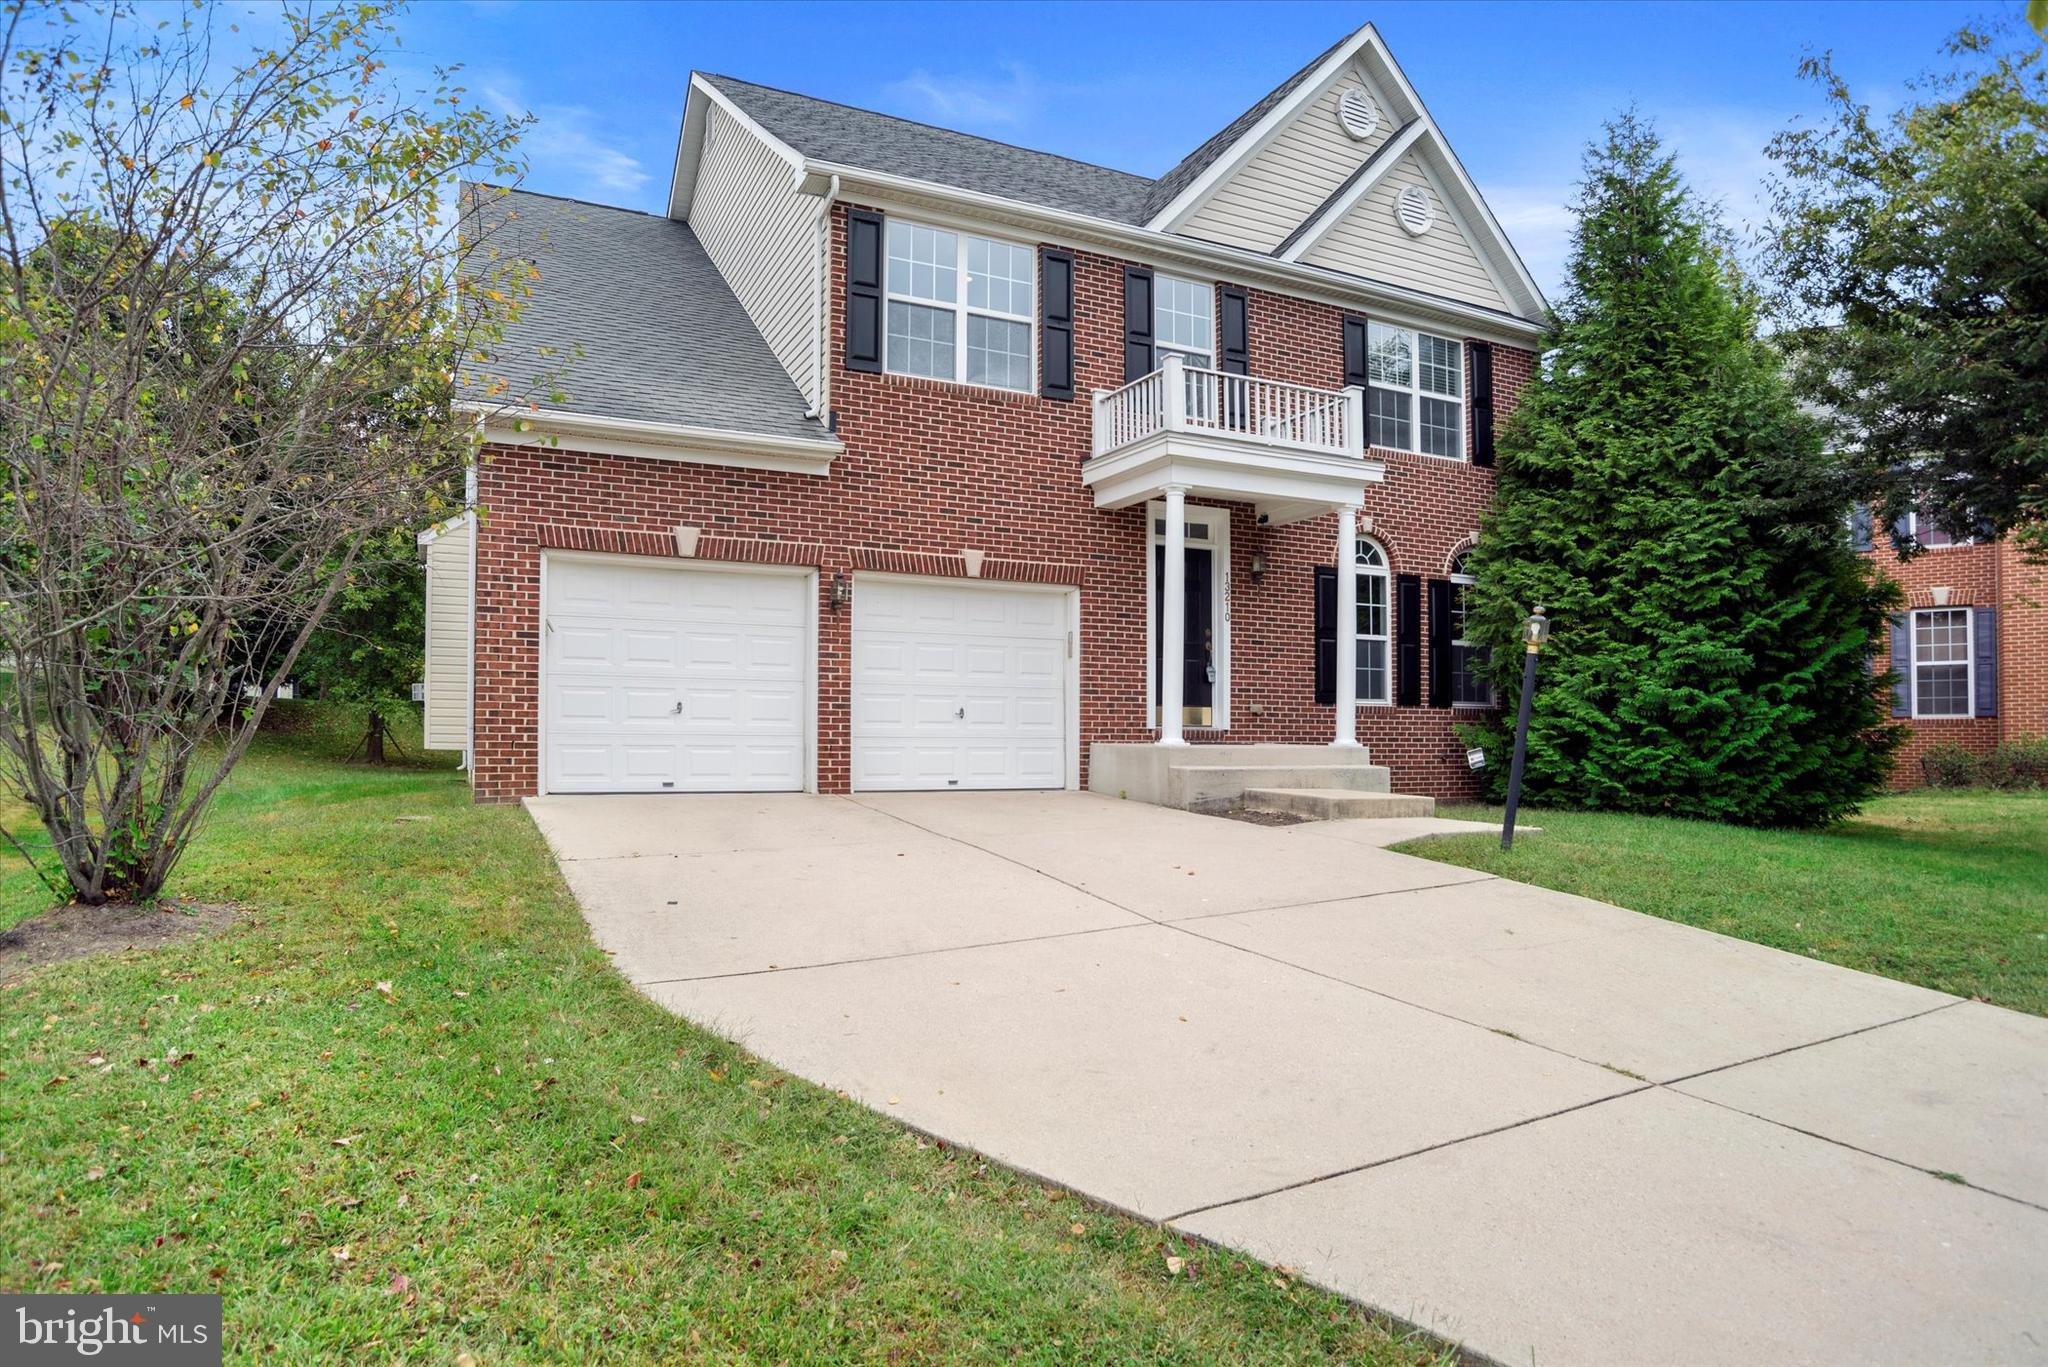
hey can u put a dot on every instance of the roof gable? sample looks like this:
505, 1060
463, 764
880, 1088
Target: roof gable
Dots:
1371, 239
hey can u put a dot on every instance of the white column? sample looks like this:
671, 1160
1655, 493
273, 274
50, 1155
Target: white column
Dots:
1347, 625
1173, 630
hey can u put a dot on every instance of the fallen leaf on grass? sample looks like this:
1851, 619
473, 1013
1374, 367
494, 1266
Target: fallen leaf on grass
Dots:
837, 1255
341, 1254
1077, 1228
633, 1181
1174, 1265
384, 986
344, 1141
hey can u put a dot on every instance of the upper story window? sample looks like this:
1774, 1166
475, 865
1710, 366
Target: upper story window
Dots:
1416, 393
1923, 529
979, 334
1184, 321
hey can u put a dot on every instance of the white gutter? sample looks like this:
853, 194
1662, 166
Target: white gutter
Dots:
821, 375
660, 440
1240, 263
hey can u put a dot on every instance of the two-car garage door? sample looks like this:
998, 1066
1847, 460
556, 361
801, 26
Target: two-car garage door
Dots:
667, 678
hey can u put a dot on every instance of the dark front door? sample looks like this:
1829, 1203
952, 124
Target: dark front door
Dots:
1198, 665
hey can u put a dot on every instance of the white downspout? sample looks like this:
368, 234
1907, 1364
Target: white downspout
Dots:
475, 531
821, 252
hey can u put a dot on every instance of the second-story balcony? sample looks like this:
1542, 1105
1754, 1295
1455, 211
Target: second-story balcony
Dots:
1293, 450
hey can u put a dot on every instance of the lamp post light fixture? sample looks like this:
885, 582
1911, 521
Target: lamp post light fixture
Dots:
1535, 631
1258, 567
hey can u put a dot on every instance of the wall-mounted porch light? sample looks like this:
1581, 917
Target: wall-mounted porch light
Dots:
1258, 566
842, 592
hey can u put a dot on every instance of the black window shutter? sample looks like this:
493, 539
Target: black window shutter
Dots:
1137, 323
1408, 640
1234, 308
1902, 665
1355, 372
1480, 356
1984, 627
1440, 591
1055, 323
1326, 635
863, 290
1860, 528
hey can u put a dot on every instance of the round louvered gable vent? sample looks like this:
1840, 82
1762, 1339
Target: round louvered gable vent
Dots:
1414, 211
1356, 114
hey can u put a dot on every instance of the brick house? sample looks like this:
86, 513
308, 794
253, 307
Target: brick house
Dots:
892, 457
1970, 648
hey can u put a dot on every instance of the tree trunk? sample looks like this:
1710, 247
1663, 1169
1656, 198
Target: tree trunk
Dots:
373, 743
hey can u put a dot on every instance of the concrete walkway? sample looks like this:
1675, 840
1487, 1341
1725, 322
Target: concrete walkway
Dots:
1546, 1128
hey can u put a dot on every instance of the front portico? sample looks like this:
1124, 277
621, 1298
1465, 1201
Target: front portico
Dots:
1292, 451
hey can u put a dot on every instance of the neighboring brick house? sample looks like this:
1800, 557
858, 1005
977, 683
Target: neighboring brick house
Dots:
877, 443
1970, 647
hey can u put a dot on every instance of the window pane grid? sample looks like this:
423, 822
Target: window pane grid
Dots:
998, 352
1183, 319
983, 334
1941, 663
1369, 630
920, 341
1469, 684
1416, 391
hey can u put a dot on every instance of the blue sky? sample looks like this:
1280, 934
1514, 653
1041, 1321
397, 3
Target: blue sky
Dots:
1517, 88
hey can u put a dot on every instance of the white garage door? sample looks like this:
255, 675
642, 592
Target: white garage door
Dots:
663, 679
958, 687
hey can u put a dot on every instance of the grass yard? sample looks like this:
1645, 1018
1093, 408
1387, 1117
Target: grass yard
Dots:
1945, 889
403, 1109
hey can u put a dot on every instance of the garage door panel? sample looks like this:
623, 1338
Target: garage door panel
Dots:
958, 687
669, 679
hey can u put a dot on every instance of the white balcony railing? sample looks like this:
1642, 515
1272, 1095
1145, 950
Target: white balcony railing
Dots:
1179, 398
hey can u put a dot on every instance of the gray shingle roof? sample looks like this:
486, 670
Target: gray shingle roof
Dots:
882, 142
663, 338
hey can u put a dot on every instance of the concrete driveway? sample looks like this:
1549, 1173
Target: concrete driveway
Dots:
1546, 1128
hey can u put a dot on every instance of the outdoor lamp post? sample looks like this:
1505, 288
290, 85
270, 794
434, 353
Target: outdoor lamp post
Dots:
1535, 632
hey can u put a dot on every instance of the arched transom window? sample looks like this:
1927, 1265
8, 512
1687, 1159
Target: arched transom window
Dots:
1375, 679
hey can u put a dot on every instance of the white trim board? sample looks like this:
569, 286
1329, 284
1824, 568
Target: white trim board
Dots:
553, 429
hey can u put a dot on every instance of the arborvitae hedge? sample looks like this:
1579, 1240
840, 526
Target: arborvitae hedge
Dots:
1664, 498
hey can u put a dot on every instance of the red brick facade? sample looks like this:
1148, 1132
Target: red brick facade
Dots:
1979, 576
933, 468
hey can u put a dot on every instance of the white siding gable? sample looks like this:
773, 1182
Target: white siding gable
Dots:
761, 234
449, 621
1370, 242
1280, 186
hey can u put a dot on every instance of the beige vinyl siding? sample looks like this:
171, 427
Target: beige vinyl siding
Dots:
1371, 243
449, 587
1279, 188
762, 236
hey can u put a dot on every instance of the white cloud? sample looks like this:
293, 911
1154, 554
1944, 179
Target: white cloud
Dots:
564, 145
970, 102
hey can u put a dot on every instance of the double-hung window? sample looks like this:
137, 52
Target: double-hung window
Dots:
1942, 667
960, 307
1183, 322
1469, 684
1416, 391
1372, 641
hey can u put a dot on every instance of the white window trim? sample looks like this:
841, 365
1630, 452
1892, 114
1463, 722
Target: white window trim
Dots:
1385, 571
1416, 393
1207, 288
1969, 665
960, 308
1464, 580
1913, 530
1217, 520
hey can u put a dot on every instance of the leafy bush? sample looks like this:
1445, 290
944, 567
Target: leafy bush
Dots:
1949, 766
2013, 764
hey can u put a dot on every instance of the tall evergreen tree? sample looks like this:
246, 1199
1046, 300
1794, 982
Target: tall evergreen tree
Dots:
1662, 495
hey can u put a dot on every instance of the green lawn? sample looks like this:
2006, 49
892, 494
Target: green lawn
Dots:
405, 1109
1945, 889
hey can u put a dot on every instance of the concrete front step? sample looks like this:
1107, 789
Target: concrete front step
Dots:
1334, 804
1195, 787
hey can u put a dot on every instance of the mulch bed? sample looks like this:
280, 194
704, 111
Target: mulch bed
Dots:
73, 932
